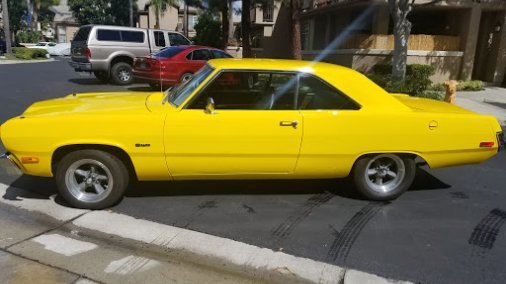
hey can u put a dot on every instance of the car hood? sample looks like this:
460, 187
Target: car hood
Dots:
94, 103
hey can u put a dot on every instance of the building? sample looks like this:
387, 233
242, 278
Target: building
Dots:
170, 19
463, 39
65, 25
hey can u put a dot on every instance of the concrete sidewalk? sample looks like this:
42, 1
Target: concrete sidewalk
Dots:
491, 101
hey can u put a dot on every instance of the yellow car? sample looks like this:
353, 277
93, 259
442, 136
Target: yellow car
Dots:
245, 119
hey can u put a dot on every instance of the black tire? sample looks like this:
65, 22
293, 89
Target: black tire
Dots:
155, 86
121, 73
102, 76
70, 179
371, 171
186, 76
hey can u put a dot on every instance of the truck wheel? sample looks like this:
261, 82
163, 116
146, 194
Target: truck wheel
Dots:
384, 176
91, 179
121, 73
102, 76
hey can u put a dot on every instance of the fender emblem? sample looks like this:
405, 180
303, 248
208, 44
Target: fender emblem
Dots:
139, 145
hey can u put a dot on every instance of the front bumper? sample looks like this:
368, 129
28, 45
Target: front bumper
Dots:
80, 66
8, 165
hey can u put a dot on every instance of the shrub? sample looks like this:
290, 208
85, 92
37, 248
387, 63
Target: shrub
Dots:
472, 85
417, 79
29, 53
28, 36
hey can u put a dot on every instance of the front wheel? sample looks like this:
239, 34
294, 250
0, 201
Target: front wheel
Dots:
384, 176
91, 179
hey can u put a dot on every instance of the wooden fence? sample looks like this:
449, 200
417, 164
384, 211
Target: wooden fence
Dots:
415, 42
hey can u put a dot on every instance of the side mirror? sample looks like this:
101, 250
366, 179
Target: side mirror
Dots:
210, 109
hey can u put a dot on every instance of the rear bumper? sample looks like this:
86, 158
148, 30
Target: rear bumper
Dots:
8, 164
501, 140
80, 66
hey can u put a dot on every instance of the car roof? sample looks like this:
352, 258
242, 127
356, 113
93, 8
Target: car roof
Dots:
348, 81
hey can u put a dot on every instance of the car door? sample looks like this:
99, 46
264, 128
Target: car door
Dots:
254, 129
197, 59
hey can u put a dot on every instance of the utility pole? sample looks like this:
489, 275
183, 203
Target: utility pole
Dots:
131, 10
7, 28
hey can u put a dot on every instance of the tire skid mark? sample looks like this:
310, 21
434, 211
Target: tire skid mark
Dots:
202, 207
345, 239
284, 229
485, 233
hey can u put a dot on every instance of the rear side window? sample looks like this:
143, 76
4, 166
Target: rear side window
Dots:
177, 39
108, 35
314, 94
199, 54
130, 36
159, 39
82, 34
169, 52
220, 54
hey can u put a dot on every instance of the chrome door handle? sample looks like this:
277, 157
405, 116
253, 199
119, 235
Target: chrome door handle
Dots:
292, 123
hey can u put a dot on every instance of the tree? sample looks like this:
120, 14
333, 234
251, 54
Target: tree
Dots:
295, 19
160, 7
246, 28
17, 13
208, 30
106, 12
37, 7
222, 6
7, 30
399, 10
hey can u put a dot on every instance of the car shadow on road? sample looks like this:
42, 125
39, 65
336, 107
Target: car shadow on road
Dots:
340, 187
86, 81
33, 188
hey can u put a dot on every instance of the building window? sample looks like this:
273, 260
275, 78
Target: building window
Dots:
192, 21
268, 11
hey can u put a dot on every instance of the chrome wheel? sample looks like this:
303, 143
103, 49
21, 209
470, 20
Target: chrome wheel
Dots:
88, 180
384, 173
124, 74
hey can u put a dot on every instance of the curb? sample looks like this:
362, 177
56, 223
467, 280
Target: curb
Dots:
8, 61
216, 252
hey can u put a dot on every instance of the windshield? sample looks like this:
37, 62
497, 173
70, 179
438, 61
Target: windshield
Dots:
178, 94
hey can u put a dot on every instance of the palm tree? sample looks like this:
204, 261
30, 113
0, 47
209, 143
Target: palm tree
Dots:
7, 30
160, 8
246, 28
37, 4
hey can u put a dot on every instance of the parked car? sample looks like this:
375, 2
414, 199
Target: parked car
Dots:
245, 119
43, 45
173, 65
109, 51
60, 49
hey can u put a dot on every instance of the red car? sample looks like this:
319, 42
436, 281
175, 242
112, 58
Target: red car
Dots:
174, 64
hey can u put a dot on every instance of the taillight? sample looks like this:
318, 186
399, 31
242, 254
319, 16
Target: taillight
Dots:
488, 144
88, 53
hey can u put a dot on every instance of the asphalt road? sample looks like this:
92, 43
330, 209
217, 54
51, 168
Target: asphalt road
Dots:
449, 228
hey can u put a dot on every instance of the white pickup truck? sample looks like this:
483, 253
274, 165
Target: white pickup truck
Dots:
109, 51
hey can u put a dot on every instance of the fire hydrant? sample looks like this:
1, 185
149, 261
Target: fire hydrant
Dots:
451, 91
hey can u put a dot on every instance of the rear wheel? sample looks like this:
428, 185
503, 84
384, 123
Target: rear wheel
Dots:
185, 77
102, 76
91, 179
121, 73
383, 176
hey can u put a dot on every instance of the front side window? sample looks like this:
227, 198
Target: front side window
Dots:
159, 39
177, 39
314, 94
180, 93
237, 90
108, 35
